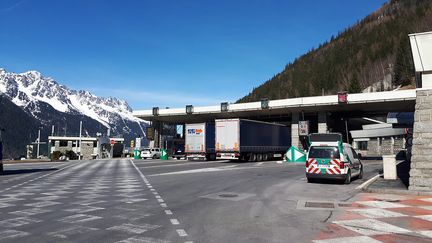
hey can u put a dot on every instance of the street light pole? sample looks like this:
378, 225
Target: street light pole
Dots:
38, 143
79, 156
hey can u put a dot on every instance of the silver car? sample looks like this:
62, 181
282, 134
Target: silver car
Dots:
151, 153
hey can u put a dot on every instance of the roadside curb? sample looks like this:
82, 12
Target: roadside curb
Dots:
395, 191
8, 162
365, 188
367, 183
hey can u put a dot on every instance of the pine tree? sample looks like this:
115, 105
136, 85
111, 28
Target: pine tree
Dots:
354, 86
404, 66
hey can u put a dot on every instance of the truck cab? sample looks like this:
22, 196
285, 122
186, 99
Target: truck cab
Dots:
329, 158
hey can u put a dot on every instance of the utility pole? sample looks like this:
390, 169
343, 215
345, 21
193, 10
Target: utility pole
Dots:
38, 143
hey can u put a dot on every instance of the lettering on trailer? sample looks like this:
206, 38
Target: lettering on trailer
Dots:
195, 131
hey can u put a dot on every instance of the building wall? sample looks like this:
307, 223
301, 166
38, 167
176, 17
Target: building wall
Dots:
421, 163
383, 146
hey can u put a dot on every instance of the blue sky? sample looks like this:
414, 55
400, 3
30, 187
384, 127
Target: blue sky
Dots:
167, 53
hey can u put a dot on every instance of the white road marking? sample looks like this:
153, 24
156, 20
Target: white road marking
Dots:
427, 233
10, 234
222, 168
371, 227
182, 233
174, 221
424, 217
37, 178
355, 239
377, 213
135, 229
383, 204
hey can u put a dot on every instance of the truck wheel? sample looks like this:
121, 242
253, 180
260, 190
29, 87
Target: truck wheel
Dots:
259, 157
252, 157
348, 177
265, 157
309, 180
213, 157
1, 168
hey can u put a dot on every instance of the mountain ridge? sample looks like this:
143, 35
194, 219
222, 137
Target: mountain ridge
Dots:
364, 54
51, 103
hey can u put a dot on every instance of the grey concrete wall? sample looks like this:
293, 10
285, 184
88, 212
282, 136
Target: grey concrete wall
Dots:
322, 122
86, 149
421, 162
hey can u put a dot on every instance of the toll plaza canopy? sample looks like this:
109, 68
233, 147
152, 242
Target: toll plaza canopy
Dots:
388, 101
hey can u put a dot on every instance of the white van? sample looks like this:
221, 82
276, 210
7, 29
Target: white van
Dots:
329, 158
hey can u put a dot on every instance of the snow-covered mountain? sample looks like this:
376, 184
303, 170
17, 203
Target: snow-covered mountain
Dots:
39, 95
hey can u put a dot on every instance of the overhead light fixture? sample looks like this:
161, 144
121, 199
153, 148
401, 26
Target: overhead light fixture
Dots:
155, 111
189, 109
224, 106
264, 103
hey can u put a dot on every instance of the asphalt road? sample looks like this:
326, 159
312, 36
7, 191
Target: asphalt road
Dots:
165, 201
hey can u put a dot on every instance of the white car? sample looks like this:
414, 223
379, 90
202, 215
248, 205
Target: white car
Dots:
151, 153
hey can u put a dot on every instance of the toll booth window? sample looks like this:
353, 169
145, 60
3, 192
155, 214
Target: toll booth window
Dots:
94, 144
63, 143
330, 152
362, 145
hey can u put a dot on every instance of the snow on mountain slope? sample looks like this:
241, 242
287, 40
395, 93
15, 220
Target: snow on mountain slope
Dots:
29, 88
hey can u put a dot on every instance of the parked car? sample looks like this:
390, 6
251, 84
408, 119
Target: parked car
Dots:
151, 153
329, 158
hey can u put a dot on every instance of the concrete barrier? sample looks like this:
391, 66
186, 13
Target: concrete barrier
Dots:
389, 165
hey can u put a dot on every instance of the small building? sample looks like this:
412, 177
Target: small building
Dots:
375, 140
86, 147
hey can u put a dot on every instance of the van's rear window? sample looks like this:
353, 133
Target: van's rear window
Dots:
331, 152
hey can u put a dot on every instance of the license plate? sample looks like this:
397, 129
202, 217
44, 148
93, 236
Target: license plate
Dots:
324, 166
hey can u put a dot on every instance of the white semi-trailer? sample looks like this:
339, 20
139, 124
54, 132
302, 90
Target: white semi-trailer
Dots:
200, 141
248, 140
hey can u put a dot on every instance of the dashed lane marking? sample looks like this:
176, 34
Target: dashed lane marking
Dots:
174, 221
180, 232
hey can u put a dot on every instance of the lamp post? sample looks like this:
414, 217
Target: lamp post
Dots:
38, 143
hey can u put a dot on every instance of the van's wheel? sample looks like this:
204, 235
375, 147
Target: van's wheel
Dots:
154, 156
348, 177
360, 176
259, 157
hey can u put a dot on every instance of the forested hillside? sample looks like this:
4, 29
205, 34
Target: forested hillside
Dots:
374, 49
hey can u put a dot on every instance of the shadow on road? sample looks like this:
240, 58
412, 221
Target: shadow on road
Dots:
403, 169
25, 171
